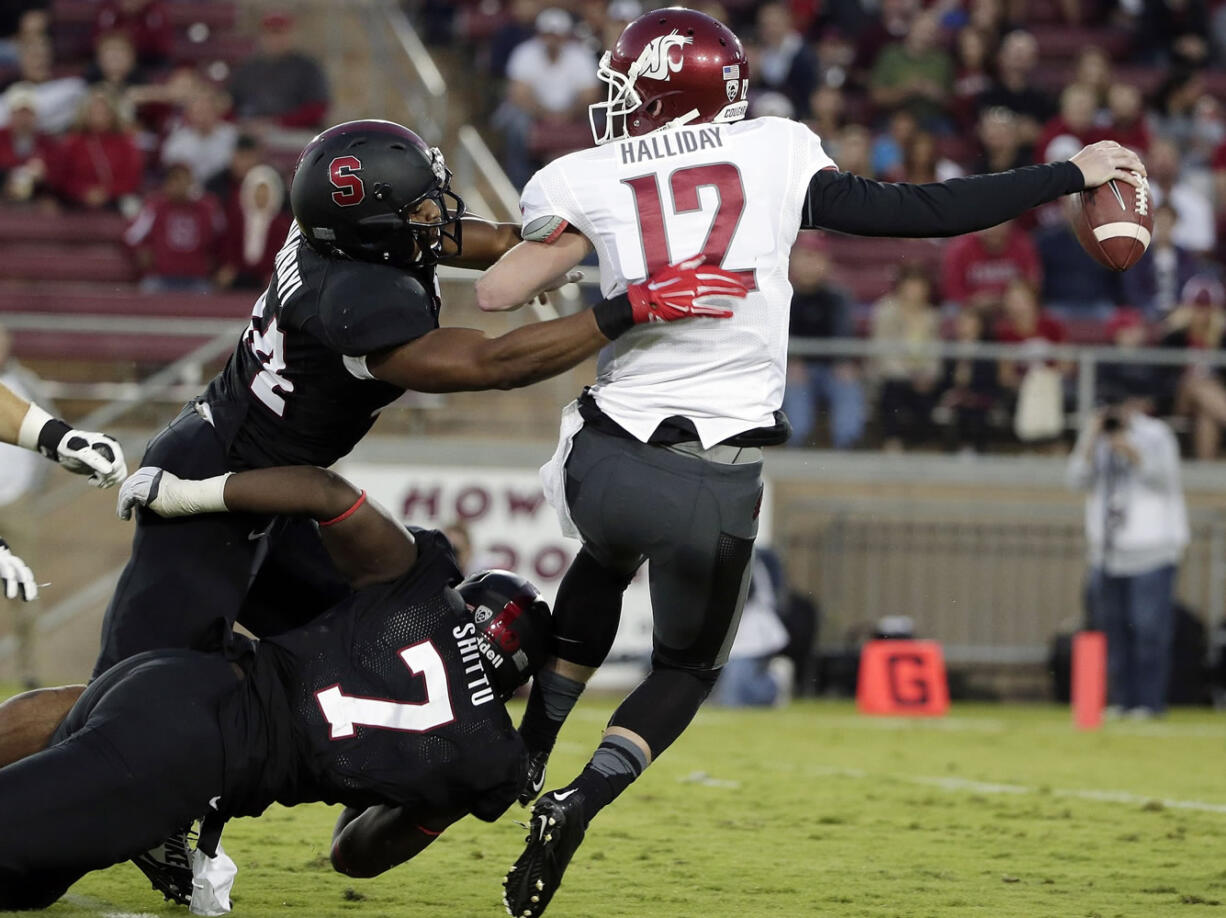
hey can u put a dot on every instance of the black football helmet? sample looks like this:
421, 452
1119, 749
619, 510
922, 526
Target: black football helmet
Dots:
356, 186
514, 627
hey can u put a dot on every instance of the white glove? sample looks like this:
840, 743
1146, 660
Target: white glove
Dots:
16, 575
168, 495
84, 452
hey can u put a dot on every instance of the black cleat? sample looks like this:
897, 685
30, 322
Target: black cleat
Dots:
169, 866
554, 835
534, 781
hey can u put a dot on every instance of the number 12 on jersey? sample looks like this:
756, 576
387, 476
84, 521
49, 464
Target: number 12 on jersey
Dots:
684, 186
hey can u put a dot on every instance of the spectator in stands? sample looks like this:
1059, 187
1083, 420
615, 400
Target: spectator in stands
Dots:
889, 146
609, 20
971, 78
518, 27
1173, 32
1126, 118
203, 140
1001, 141
922, 161
1127, 331
99, 163
147, 24
280, 85
835, 57
821, 309
754, 675
1075, 286
1173, 110
1094, 72
908, 378
177, 236
115, 67
1154, 283
1035, 380
784, 62
256, 232
978, 267
1199, 324
20, 19
970, 388
57, 99
1195, 227
1071, 129
26, 154
827, 108
852, 150
891, 24
1014, 87
916, 74
552, 81
1136, 530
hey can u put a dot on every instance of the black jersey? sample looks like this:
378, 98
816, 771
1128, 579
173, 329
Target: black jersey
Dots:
295, 391
383, 699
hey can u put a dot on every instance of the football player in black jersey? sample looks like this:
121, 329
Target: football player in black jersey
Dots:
349, 321
390, 703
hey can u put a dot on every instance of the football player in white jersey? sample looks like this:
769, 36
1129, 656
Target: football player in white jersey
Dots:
661, 458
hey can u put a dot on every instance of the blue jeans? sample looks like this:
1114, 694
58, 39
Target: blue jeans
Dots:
745, 682
845, 398
1137, 615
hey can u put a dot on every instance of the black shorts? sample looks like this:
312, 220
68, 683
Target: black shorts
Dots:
138, 757
189, 579
695, 520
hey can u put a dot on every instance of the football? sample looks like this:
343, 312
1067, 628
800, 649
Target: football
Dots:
1113, 223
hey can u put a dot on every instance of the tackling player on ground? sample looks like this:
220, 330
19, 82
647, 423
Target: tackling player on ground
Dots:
390, 703
661, 458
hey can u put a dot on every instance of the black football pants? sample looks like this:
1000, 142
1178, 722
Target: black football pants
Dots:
138, 757
189, 579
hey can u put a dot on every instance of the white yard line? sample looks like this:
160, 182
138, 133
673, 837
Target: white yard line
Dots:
103, 908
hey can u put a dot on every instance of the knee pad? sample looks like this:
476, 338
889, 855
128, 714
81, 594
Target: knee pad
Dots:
588, 610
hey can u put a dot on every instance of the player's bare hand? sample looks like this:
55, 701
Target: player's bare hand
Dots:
542, 298
16, 576
1106, 160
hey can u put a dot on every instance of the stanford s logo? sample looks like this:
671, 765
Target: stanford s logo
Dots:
350, 188
657, 61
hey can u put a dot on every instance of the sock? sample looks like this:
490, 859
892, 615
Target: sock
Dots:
552, 698
615, 765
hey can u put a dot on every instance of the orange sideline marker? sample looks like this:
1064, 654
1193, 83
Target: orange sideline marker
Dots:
902, 677
1089, 679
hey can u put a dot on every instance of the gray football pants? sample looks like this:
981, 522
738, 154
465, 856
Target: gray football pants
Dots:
693, 518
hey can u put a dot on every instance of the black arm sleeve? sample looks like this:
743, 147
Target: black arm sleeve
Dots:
848, 203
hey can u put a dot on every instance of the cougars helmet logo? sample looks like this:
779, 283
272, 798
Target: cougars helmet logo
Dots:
656, 62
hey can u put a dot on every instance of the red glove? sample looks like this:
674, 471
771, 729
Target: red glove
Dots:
675, 292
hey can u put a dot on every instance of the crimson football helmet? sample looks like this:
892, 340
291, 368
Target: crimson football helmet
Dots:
357, 185
670, 67
514, 627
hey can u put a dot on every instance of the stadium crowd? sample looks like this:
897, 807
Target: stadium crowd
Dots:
904, 90
193, 150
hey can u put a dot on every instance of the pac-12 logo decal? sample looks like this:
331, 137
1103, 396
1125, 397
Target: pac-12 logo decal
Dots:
656, 62
350, 188
483, 615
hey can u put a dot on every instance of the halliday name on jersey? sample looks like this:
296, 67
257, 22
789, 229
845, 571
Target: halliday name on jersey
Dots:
666, 143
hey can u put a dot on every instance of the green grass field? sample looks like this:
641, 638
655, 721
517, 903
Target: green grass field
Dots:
813, 811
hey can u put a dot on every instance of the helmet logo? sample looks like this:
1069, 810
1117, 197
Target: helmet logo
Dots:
656, 62
731, 87
483, 615
350, 191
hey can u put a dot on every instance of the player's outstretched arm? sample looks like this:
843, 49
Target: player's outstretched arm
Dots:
365, 543
483, 243
529, 269
365, 843
849, 203
464, 359
82, 452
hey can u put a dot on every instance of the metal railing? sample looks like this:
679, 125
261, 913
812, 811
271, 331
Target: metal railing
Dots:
992, 578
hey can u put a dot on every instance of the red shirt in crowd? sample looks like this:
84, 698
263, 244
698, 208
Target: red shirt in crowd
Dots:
149, 28
1058, 127
1134, 136
1046, 330
182, 237
968, 269
110, 161
14, 153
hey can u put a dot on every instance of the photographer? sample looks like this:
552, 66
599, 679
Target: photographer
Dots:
1136, 527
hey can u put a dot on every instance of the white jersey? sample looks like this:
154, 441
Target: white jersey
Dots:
733, 191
